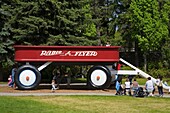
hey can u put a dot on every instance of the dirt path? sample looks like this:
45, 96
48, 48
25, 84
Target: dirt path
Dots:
46, 90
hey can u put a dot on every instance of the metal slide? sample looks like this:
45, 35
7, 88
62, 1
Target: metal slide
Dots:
136, 71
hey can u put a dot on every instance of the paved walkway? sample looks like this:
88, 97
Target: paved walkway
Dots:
60, 92
64, 94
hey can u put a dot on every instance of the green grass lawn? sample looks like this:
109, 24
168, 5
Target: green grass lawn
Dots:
83, 104
141, 81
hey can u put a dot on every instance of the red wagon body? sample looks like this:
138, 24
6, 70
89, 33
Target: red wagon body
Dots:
67, 53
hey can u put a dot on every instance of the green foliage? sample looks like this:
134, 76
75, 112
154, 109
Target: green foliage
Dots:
144, 26
49, 21
158, 68
126, 68
6, 42
166, 54
164, 72
90, 27
150, 27
103, 14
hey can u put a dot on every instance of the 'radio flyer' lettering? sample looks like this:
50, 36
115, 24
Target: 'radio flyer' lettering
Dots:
68, 53
86, 53
50, 53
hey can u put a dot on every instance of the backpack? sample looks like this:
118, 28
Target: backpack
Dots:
140, 92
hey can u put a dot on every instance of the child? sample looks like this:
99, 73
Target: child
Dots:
119, 89
53, 86
127, 87
10, 81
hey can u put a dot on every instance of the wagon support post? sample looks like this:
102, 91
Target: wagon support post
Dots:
44, 66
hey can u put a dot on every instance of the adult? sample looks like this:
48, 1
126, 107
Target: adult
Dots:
56, 77
68, 76
149, 86
135, 86
159, 83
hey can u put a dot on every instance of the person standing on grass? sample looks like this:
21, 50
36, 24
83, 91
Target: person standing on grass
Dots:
149, 86
159, 83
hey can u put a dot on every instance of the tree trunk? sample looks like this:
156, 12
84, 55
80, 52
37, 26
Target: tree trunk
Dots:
136, 54
145, 62
1, 72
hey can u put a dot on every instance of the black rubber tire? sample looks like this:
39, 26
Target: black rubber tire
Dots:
108, 80
34, 70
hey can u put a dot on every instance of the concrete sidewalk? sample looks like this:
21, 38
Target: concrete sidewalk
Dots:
75, 89
66, 94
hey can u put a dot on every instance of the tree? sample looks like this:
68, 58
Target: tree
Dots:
6, 42
75, 33
150, 28
52, 22
165, 6
90, 27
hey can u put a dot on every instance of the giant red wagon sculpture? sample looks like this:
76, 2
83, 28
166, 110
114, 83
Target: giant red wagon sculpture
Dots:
99, 76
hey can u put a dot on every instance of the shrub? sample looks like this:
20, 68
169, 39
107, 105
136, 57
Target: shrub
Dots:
164, 72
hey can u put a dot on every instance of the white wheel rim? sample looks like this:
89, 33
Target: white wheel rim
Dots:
27, 77
98, 77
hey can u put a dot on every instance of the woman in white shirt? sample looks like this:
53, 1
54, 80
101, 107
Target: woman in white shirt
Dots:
149, 86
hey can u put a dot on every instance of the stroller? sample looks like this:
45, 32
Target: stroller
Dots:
139, 92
